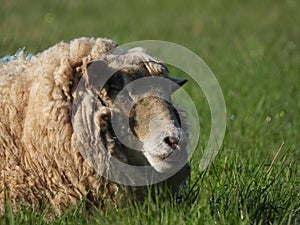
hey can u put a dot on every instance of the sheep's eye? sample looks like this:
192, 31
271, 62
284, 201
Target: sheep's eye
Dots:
116, 86
116, 83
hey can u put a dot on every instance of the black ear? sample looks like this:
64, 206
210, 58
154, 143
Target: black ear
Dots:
98, 72
179, 81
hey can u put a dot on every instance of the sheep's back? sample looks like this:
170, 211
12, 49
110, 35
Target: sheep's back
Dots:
38, 158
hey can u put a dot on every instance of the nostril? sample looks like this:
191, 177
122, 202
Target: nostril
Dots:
172, 141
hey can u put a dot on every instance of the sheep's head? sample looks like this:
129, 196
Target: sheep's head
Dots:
123, 109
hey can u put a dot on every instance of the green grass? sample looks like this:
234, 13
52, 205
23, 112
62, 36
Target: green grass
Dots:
253, 49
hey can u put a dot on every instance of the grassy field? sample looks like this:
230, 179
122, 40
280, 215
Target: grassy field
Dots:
253, 48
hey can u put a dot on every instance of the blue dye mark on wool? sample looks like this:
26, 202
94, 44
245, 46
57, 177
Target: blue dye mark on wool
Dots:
18, 54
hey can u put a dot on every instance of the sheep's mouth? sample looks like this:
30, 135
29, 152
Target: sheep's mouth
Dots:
167, 156
167, 162
170, 154
164, 151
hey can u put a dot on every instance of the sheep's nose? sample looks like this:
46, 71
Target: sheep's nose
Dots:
172, 141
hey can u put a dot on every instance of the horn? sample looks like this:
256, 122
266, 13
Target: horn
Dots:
179, 81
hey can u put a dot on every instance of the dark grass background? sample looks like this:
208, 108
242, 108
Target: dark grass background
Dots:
253, 49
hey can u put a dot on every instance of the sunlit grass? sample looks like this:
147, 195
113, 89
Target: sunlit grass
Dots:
253, 49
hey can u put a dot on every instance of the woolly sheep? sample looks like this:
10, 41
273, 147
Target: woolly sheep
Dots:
54, 141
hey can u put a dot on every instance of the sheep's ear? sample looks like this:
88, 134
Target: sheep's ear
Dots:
89, 122
98, 73
179, 82
90, 118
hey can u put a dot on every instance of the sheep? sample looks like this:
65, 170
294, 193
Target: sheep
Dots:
56, 134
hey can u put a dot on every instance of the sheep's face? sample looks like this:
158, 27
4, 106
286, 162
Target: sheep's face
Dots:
137, 94
157, 125
145, 102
